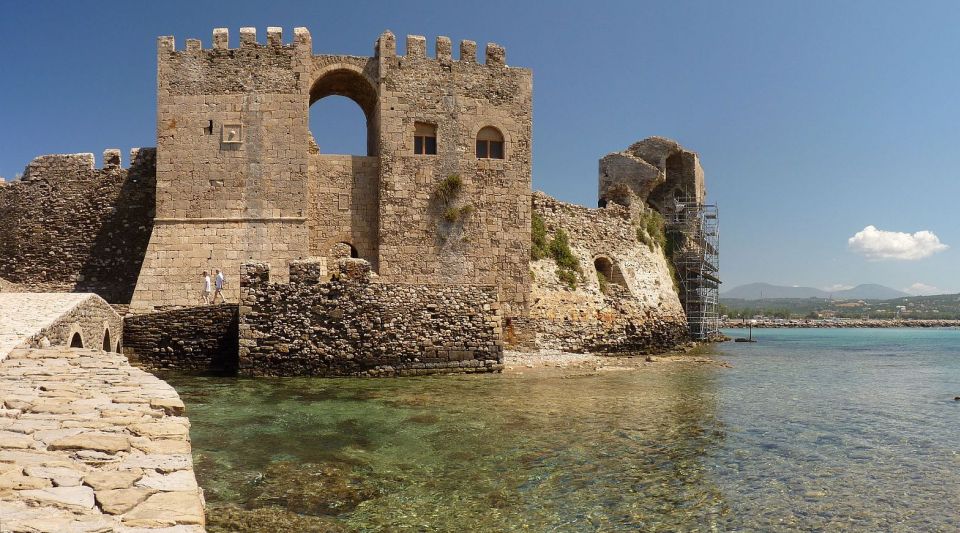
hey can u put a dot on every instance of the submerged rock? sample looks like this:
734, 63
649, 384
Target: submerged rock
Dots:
236, 520
312, 489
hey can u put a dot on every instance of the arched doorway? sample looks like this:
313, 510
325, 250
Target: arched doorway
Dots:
106, 341
76, 341
327, 117
341, 250
608, 273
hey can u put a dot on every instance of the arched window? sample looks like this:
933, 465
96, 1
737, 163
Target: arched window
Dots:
424, 139
489, 143
106, 341
76, 341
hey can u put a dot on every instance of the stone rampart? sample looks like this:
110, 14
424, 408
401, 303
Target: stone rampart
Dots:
68, 226
194, 339
352, 325
635, 309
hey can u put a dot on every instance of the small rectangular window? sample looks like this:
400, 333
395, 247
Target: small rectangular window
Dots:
424, 138
482, 149
496, 149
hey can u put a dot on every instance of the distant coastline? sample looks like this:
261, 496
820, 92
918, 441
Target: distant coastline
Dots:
839, 323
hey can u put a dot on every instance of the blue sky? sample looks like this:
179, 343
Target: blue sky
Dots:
813, 120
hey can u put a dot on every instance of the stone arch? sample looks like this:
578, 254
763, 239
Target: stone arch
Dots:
76, 341
609, 270
107, 345
346, 80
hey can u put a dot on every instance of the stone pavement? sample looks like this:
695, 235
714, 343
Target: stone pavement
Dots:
23, 315
90, 444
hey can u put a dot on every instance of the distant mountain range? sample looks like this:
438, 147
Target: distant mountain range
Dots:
764, 291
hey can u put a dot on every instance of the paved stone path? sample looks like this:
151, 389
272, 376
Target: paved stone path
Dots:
90, 444
23, 315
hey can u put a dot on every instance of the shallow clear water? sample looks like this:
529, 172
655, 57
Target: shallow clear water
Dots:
809, 430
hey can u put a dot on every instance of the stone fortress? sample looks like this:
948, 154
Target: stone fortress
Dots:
431, 253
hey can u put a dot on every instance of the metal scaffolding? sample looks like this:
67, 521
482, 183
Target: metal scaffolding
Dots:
694, 231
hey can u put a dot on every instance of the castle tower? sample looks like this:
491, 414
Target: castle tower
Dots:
442, 196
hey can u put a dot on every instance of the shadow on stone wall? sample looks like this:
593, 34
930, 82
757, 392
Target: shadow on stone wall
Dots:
118, 250
203, 340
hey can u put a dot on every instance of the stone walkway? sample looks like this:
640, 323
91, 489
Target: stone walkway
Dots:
23, 315
90, 444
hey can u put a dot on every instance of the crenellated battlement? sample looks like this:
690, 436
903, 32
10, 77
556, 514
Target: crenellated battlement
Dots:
220, 40
385, 46
416, 48
52, 166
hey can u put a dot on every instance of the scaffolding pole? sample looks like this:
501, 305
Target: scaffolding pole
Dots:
695, 230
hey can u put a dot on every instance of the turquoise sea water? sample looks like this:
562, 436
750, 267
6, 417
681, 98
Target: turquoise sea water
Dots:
812, 430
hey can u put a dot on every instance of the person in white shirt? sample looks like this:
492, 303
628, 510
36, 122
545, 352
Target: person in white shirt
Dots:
205, 295
218, 287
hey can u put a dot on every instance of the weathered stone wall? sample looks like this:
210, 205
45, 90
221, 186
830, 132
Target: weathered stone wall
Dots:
656, 170
238, 179
68, 226
352, 326
194, 339
232, 145
92, 319
344, 204
639, 312
491, 246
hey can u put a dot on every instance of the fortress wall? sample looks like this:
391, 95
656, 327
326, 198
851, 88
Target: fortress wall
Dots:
69, 226
232, 162
180, 251
640, 312
343, 192
417, 244
353, 326
194, 339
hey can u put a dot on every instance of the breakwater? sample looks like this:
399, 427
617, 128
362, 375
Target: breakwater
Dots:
840, 323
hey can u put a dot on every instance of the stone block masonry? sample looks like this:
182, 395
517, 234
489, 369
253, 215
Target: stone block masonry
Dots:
354, 326
194, 339
89, 443
57, 319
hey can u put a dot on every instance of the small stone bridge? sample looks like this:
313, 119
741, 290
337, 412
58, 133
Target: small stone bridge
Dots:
38, 320
88, 443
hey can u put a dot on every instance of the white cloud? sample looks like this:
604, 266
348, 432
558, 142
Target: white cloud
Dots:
879, 245
837, 287
922, 289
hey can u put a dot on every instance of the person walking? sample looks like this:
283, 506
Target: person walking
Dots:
205, 295
218, 286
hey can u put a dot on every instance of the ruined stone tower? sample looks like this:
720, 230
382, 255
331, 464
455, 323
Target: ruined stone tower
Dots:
442, 196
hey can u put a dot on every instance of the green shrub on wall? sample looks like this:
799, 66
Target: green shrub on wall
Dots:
538, 238
650, 229
558, 249
568, 266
